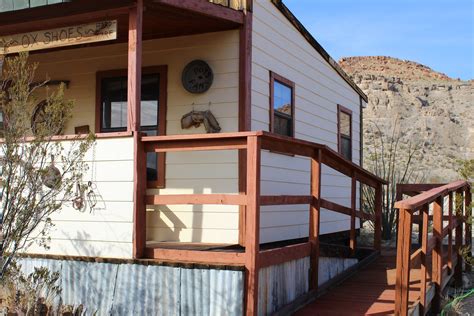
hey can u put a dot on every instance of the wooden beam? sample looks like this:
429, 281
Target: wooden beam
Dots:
315, 218
402, 282
65, 14
139, 191
197, 199
135, 30
285, 199
252, 229
285, 254
437, 254
430, 196
206, 8
198, 257
196, 145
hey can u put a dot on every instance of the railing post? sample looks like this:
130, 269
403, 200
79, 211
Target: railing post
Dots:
437, 255
450, 232
353, 240
378, 217
314, 218
403, 262
139, 192
424, 255
252, 230
468, 221
459, 201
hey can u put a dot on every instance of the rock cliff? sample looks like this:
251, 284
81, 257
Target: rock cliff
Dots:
433, 110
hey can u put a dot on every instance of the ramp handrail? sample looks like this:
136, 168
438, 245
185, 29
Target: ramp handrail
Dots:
459, 202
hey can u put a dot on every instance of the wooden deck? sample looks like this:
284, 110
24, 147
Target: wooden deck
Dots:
371, 291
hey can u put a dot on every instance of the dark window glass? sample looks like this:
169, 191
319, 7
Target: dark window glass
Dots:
346, 147
114, 103
114, 111
282, 109
345, 135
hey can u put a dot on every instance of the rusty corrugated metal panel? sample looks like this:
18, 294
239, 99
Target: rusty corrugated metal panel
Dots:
147, 290
133, 289
281, 284
211, 292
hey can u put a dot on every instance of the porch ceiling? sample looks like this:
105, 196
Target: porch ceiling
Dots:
161, 18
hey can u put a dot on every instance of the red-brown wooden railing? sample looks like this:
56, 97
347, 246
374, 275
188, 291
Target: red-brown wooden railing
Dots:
254, 258
459, 201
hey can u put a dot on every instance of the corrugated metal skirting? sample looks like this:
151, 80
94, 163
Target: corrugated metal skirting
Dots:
282, 284
133, 289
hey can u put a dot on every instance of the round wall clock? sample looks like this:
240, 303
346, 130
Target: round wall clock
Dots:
197, 77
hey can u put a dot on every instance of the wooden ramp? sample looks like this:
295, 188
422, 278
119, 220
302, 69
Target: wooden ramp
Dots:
371, 291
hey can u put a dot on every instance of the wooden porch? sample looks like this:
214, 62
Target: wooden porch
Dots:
402, 282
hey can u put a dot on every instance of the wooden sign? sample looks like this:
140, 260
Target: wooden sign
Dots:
65, 36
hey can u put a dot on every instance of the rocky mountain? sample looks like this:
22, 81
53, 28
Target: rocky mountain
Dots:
433, 111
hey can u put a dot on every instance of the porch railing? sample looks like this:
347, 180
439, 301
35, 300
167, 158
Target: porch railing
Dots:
423, 208
252, 143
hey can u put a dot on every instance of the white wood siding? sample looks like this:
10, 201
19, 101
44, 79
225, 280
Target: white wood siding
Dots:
199, 172
279, 47
106, 231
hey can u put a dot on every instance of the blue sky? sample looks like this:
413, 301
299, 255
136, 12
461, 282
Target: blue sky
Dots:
437, 33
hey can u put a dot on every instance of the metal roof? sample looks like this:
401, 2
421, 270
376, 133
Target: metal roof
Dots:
14, 5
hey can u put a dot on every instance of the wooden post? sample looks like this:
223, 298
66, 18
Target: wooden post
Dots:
133, 124
424, 255
468, 215
252, 231
403, 262
139, 192
135, 26
378, 217
458, 239
450, 232
437, 255
314, 218
353, 240
245, 87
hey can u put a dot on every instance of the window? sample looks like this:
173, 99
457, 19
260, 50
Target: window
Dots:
345, 131
282, 106
112, 111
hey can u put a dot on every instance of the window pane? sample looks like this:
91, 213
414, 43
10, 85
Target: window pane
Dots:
282, 125
150, 97
282, 98
346, 148
345, 124
114, 103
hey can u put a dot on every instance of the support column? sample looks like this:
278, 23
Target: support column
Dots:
135, 27
133, 125
314, 219
252, 231
245, 85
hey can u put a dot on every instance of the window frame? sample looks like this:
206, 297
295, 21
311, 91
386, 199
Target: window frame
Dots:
162, 70
290, 84
342, 109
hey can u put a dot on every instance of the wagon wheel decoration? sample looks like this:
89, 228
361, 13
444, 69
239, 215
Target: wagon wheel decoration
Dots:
40, 119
